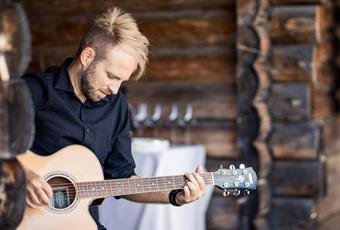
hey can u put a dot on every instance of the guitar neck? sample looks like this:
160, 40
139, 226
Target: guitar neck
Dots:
118, 187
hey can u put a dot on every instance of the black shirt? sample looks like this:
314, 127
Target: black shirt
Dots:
61, 119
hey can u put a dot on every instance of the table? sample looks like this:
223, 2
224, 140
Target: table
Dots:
126, 215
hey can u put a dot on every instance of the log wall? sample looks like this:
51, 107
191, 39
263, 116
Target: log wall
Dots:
279, 45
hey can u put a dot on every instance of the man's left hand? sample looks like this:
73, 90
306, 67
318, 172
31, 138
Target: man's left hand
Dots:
194, 189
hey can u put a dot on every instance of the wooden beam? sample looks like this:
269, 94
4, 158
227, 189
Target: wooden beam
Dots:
190, 28
295, 141
85, 7
297, 178
295, 2
292, 63
294, 25
292, 213
290, 101
211, 100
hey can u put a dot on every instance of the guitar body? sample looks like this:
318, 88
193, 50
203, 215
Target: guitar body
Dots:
76, 178
74, 163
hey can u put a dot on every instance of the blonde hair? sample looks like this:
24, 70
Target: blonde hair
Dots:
116, 27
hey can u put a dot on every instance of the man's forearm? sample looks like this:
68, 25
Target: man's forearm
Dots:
152, 197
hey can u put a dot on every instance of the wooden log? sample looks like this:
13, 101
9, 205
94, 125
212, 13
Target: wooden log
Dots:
222, 213
218, 102
87, 7
331, 136
189, 28
293, 213
219, 68
295, 141
325, 81
295, 24
198, 69
297, 178
290, 101
292, 63
247, 49
295, 2
323, 106
246, 12
12, 194
330, 204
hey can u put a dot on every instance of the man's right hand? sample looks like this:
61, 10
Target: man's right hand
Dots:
39, 192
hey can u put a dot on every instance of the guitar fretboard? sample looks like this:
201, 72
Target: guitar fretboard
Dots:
116, 187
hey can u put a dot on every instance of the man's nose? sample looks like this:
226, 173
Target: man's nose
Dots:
114, 88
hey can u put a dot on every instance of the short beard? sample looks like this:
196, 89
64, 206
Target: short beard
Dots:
85, 82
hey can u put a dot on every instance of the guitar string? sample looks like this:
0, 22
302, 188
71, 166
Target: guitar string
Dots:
73, 191
135, 180
142, 181
206, 177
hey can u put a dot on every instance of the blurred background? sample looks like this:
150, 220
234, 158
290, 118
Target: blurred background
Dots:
252, 81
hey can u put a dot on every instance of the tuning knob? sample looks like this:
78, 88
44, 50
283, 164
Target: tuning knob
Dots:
247, 192
232, 167
221, 166
226, 193
236, 192
242, 166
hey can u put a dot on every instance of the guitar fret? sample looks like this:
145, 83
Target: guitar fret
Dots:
134, 185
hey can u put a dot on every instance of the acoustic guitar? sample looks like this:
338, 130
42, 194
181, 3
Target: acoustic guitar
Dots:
76, 178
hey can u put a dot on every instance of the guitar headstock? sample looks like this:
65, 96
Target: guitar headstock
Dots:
241, 178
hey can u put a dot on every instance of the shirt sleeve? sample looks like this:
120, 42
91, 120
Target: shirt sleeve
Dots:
120, 162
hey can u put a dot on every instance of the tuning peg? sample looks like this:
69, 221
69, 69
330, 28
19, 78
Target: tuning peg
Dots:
236, 192
247, 192
226, 193
232, 167
242, 166
221, 166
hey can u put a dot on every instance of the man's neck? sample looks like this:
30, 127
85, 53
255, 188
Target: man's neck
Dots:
74, 73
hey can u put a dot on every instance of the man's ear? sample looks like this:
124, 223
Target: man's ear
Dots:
87, 56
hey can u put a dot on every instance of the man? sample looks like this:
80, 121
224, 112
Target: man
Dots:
80, 103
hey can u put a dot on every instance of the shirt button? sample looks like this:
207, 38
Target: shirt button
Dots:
88, 130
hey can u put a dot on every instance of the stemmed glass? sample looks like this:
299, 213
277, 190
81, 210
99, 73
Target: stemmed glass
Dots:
140, 118
173, 120
187, 119
156, 120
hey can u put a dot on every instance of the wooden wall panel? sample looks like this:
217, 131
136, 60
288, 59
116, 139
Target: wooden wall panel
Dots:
295, 2
292, 63
220, 142
297, 178
197, 69
293, 213
209, 100
290, 101
277, 44
186, 28
88, 7
222, 214
295, 140
294, 25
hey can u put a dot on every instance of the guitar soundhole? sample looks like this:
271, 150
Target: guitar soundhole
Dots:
64, 192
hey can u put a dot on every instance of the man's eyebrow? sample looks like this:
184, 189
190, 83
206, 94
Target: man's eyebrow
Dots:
111, 74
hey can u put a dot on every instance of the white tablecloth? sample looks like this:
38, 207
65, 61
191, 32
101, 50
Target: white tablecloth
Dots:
125, 215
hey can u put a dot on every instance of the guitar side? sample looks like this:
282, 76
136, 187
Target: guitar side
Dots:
76, 162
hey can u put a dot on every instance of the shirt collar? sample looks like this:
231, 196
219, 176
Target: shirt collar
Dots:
63, 80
